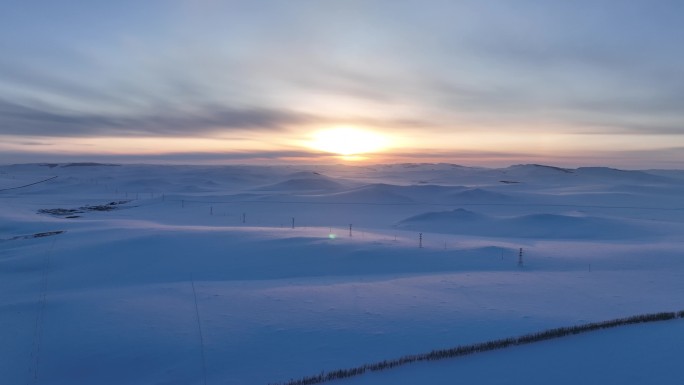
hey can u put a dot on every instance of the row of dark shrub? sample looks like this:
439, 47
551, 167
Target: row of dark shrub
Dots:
484, 347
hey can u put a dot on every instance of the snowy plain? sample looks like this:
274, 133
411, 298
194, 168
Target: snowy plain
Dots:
263, 257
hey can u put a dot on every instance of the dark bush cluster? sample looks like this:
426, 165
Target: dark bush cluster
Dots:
64, 212
485, 346
323, 377
38, 235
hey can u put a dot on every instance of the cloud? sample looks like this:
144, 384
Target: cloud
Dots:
618, 125
16, 119
7, 157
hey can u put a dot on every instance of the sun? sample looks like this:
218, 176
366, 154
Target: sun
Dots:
348, 141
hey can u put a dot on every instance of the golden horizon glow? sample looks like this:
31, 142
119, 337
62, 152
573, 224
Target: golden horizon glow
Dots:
348, 141
356, 144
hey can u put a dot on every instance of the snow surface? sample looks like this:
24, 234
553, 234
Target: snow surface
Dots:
110, 300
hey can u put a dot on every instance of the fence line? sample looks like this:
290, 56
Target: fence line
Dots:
455, 204
30, 184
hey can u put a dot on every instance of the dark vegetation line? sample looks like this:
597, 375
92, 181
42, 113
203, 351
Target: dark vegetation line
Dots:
30, 184
481, 347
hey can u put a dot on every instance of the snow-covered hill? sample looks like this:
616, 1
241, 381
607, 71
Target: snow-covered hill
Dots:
142, 274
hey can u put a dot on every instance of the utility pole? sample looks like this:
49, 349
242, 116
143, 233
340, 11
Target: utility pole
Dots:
350, 230
420, 240
293, 222
520, 258
244, 217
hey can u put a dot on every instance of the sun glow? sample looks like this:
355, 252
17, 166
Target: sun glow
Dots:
348, 141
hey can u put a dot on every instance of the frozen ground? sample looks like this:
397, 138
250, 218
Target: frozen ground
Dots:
110, 300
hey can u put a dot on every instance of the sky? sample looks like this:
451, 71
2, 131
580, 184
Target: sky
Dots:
485, 83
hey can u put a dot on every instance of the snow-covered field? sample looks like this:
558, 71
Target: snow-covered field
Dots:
262, 257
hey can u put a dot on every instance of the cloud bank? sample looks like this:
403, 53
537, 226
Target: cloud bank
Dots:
282, 68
